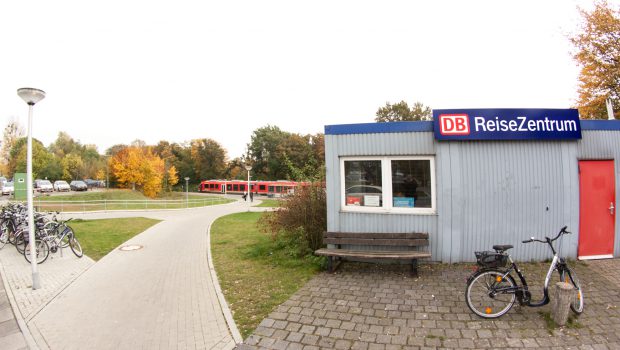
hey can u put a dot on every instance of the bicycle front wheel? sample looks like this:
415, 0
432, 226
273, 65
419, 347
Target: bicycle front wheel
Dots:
42, 251
489, 294
76, 247
576, 303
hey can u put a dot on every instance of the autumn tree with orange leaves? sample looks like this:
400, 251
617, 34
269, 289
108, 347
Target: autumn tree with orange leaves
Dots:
598, 54
137, 167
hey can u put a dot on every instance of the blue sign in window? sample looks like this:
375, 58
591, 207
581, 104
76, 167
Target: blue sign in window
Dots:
403, 202
506, 124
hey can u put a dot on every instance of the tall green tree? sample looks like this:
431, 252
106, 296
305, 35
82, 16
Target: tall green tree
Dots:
263, 152
41, 159
209, 159
72, 167
400, 112
12, 132
597, 47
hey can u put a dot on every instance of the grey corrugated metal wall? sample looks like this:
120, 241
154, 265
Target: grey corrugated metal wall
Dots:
488, 192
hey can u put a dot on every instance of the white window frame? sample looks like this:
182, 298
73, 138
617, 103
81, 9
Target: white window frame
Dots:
386, 186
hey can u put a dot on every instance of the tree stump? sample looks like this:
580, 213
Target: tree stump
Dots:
560, 302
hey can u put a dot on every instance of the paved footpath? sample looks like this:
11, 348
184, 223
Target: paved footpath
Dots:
162, 296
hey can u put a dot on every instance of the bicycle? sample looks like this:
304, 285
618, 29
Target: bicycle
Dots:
492, 290
60, 235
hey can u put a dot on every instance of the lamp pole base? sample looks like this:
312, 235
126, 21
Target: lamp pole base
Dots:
36, 281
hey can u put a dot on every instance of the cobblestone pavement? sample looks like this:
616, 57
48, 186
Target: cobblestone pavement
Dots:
56, 273
379, 307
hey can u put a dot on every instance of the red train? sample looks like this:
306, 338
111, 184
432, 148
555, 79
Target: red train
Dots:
268, 188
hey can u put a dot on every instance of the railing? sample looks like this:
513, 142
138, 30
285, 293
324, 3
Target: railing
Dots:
107, 205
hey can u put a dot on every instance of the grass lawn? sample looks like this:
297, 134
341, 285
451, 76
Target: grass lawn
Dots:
270, 203
117, 199
255, 274
99, 237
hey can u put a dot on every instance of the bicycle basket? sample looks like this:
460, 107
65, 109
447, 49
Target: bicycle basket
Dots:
489, 259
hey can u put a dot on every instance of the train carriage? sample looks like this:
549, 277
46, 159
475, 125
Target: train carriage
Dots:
267, 188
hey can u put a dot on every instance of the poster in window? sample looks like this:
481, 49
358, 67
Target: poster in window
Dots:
403, 202
372, 201
353, 200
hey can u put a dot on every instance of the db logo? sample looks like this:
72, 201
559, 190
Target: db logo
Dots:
454, 124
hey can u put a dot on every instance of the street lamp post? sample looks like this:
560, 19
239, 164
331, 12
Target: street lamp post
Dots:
248, 168
187, 192
31, 97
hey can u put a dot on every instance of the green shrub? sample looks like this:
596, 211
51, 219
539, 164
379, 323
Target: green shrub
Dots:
300, 221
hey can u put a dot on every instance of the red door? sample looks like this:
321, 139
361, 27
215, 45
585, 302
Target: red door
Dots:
597, 202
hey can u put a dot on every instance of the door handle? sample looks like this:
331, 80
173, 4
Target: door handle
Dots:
611, 208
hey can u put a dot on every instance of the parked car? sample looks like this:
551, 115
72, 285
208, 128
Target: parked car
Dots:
8, 188
61, 186
78, 185
43, 186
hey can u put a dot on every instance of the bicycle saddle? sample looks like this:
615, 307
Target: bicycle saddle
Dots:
502, 247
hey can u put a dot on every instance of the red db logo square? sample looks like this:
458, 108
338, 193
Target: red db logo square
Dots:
454, 124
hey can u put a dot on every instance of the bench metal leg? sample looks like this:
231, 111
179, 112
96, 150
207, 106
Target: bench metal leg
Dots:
414, 268
330, 264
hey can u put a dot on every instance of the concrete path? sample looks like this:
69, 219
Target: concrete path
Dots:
164, 295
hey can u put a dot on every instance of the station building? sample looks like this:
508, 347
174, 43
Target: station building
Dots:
478, 177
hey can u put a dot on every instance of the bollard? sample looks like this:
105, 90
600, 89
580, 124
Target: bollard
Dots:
563, 293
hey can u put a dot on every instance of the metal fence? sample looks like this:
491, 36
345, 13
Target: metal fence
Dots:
108, 205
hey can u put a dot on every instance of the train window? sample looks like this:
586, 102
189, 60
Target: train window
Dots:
278, 189
235, 187
229, 187
252, 187
261, 187
271, 188
241, 187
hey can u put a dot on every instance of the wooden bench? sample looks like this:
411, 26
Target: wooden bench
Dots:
374, 239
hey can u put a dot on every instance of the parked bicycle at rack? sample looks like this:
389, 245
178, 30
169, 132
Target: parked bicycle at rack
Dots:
492, 290
51, 234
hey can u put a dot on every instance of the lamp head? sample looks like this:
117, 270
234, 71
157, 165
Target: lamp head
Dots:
31, 95
187, 179
248, 167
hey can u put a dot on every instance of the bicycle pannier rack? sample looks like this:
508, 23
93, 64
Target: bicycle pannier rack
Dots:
489, 259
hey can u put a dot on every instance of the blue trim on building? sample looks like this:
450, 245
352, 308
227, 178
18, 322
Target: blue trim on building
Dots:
600, 124
379, 128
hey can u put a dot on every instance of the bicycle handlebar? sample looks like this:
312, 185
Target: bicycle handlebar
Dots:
547, 239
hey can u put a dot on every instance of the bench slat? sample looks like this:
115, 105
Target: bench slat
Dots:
378, 241
388, 235
402, 255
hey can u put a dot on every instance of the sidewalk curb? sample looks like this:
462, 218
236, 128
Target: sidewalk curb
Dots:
232, 326
23, 327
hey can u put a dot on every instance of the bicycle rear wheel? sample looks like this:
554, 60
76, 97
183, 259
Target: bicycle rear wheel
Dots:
489, 294
20, 242
4, 233
577, 302
42, 250
76, 247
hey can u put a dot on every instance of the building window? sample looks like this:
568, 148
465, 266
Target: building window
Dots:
388, 184
362, 183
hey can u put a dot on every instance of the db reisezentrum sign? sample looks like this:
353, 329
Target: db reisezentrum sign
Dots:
506, 124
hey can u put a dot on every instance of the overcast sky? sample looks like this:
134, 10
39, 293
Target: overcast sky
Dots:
116, 71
